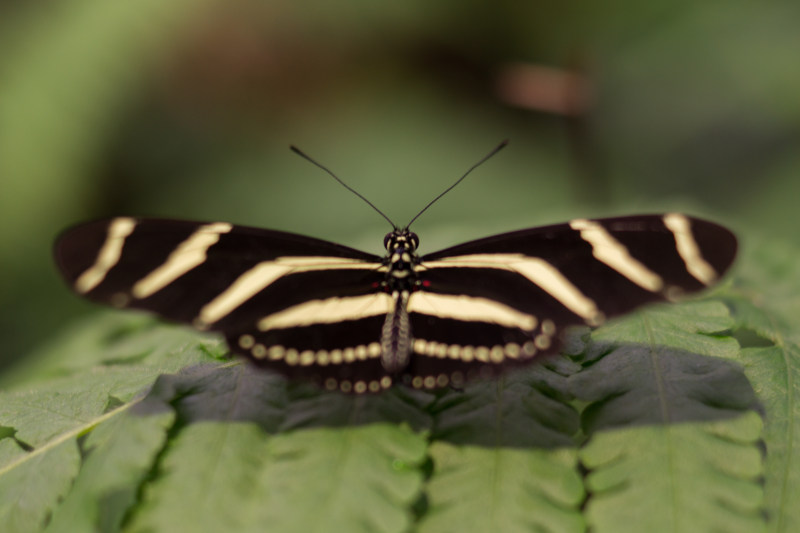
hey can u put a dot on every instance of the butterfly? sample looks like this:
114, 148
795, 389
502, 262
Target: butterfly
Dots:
358, 323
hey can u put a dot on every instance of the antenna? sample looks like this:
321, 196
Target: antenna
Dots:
346, 186
447, 190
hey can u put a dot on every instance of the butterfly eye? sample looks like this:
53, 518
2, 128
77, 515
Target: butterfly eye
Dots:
387, 240
414, 240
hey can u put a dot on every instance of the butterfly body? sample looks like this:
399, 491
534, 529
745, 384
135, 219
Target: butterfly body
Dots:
356, 322
402, 279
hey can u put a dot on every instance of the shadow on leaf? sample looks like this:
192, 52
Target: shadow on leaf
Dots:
528, 408
534, 407
635, 384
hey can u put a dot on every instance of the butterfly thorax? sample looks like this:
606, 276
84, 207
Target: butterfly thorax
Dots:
401, 280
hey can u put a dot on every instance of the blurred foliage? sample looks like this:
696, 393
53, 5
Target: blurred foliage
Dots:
185, 109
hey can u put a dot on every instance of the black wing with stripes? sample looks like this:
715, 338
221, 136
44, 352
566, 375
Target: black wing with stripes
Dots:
317, 310
531, 284
176, 268
221, 277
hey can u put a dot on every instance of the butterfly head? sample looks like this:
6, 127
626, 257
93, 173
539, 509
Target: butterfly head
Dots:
401, 240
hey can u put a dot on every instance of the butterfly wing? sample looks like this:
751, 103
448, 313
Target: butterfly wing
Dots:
313, 309
286, 301
497, 302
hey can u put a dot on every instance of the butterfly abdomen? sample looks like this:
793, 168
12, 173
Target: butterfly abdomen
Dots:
396, 336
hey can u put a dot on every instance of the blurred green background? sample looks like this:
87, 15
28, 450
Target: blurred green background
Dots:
186, 109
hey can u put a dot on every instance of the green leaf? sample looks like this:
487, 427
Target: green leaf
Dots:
775, 375
636, 384
43, 421
350, 479
70, 405
527, 408
655, 368
116, 340
503, 455
32, 483
652, 466
230, 392
502, 489
121, 453
205, 481
767, 302
693, 326
684, 477
233, 476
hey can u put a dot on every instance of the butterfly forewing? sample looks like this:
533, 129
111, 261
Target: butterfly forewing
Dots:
617, 263
213, 275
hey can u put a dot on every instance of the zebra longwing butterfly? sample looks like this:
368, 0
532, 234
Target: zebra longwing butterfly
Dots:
357, 322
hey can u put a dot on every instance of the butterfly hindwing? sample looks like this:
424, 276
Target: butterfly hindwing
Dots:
343, 355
